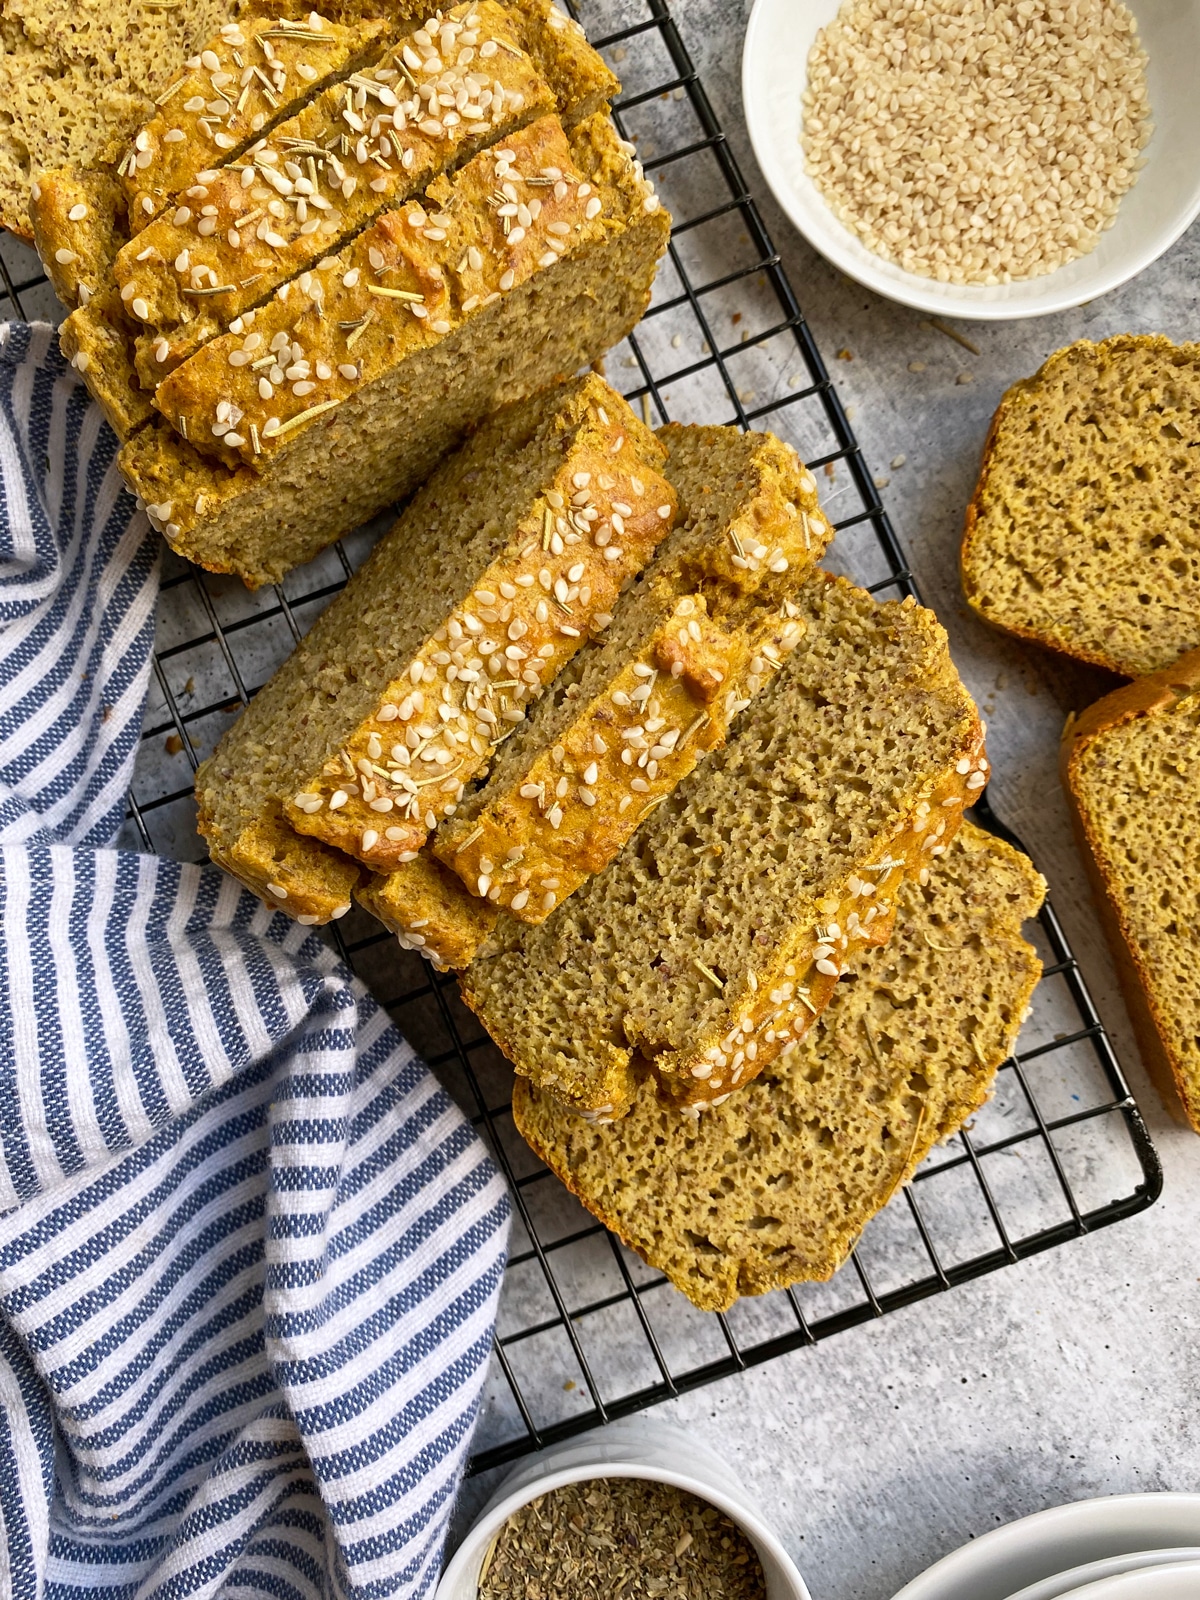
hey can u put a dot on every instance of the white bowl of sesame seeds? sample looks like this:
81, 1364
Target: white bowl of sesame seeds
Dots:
1043, 164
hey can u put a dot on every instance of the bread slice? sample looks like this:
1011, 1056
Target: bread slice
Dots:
367, 733
510, 600
426, 906
252, 76
1083, 534
720, 930
1129, 768
75, 78
706, 624
775, 1186
373, 448
353, 153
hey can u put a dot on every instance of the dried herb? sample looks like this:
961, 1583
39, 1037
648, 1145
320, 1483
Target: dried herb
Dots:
621, 1539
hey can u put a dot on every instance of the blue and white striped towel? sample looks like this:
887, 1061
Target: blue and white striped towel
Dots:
249, 1251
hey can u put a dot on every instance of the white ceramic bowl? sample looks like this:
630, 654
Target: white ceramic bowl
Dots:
1152, 215
638, 1447
999, 1564
1064, 1584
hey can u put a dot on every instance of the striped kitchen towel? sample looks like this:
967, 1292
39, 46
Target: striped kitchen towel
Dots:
250, 1252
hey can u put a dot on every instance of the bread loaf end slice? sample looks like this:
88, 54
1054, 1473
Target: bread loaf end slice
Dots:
719, 932
1129, 765
775, 1186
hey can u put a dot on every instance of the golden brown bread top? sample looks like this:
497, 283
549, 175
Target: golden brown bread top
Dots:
354, 151
404, 283
525, 617
250, 76
77, 218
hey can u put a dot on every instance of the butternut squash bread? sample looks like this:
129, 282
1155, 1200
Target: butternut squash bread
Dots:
1129, 765
1083, 534
80, 219
775, 1186
708, 621
365, 736
384, 438
719, 932
74, 79
353, 153
250, 394
253, 75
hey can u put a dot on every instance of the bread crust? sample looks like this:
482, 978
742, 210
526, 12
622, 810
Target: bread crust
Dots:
1145, 697
429, 911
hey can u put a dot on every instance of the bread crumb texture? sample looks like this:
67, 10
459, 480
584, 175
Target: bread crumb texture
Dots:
1083, 534
1130, 767
77, 75
718, 933
775, 1186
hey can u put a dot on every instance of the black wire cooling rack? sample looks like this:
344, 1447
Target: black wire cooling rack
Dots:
586, 1331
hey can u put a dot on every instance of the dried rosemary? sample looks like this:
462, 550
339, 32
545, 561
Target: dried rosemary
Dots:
621, 1539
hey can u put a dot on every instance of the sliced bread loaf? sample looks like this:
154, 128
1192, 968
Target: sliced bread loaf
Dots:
1129, 766
367, 733
1083, 534
400, 287
720, 930
706, 624
354, 152
775, 1186
371, 449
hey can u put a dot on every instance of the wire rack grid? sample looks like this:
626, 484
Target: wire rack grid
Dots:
586, 1331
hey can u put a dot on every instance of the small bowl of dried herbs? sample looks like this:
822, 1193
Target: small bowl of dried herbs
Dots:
639, 1510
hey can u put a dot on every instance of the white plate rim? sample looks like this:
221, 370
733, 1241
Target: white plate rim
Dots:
1076, 1577
1107, 1525
1141, 1581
